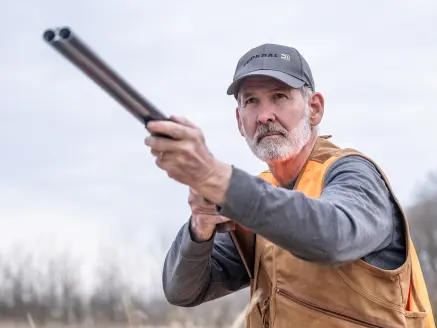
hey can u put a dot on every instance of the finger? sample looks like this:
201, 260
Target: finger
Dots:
159, 145
155, 152
183, 121
159, 164
162, 156
208, 220
170, 128
162, 162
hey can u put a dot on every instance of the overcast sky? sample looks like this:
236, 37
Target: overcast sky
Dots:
73, 161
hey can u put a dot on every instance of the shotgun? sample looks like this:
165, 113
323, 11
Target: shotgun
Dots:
69, 45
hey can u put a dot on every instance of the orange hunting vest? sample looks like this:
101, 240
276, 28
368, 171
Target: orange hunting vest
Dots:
301, 294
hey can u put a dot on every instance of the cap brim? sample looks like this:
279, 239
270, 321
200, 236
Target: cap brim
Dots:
287, 79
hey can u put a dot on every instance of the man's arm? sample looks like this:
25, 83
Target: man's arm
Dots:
195, 273
352, 218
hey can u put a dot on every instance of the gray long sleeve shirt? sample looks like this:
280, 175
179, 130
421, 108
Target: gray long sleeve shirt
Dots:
355, 217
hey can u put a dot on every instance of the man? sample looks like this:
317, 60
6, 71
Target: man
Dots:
332, 245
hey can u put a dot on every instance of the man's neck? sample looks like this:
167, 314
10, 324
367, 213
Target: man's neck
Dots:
287, 171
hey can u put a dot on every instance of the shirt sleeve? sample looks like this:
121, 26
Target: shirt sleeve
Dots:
199, 272
351, 218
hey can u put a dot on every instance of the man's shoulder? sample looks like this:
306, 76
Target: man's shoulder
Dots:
363, 175
356, 166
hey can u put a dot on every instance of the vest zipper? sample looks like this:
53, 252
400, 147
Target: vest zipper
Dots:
325, 311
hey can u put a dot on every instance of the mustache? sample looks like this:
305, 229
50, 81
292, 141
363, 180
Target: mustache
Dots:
264, 129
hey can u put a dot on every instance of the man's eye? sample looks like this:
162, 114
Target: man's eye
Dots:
250, 101
279, 95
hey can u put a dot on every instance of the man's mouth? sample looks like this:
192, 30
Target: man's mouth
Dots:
269, 134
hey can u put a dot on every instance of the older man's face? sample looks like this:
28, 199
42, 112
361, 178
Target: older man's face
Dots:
273, 118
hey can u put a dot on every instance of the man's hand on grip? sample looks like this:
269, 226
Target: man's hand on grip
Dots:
204, 217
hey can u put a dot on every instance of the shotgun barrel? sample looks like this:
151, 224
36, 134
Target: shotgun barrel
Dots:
67, 43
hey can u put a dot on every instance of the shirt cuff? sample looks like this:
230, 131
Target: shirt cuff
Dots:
191, 249
242, 197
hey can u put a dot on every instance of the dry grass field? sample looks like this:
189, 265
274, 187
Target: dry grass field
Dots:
136, 320
26, 325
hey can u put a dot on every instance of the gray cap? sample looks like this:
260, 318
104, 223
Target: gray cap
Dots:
277, 61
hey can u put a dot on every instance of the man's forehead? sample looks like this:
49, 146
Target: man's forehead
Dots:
254, 83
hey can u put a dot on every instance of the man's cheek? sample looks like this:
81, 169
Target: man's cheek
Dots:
250, 127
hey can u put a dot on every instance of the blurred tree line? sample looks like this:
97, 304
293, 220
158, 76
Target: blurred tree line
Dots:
54, 293
423, 225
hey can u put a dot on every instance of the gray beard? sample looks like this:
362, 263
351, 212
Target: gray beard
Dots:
282, 147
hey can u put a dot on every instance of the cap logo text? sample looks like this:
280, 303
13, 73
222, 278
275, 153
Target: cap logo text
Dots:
285, 57
259, 56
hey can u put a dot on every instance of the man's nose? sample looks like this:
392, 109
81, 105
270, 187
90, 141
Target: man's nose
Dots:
266, 114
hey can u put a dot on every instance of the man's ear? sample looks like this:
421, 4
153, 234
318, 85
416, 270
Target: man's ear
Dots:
240, 126
317, 108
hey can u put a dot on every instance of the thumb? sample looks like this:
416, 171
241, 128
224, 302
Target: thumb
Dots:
223, 219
